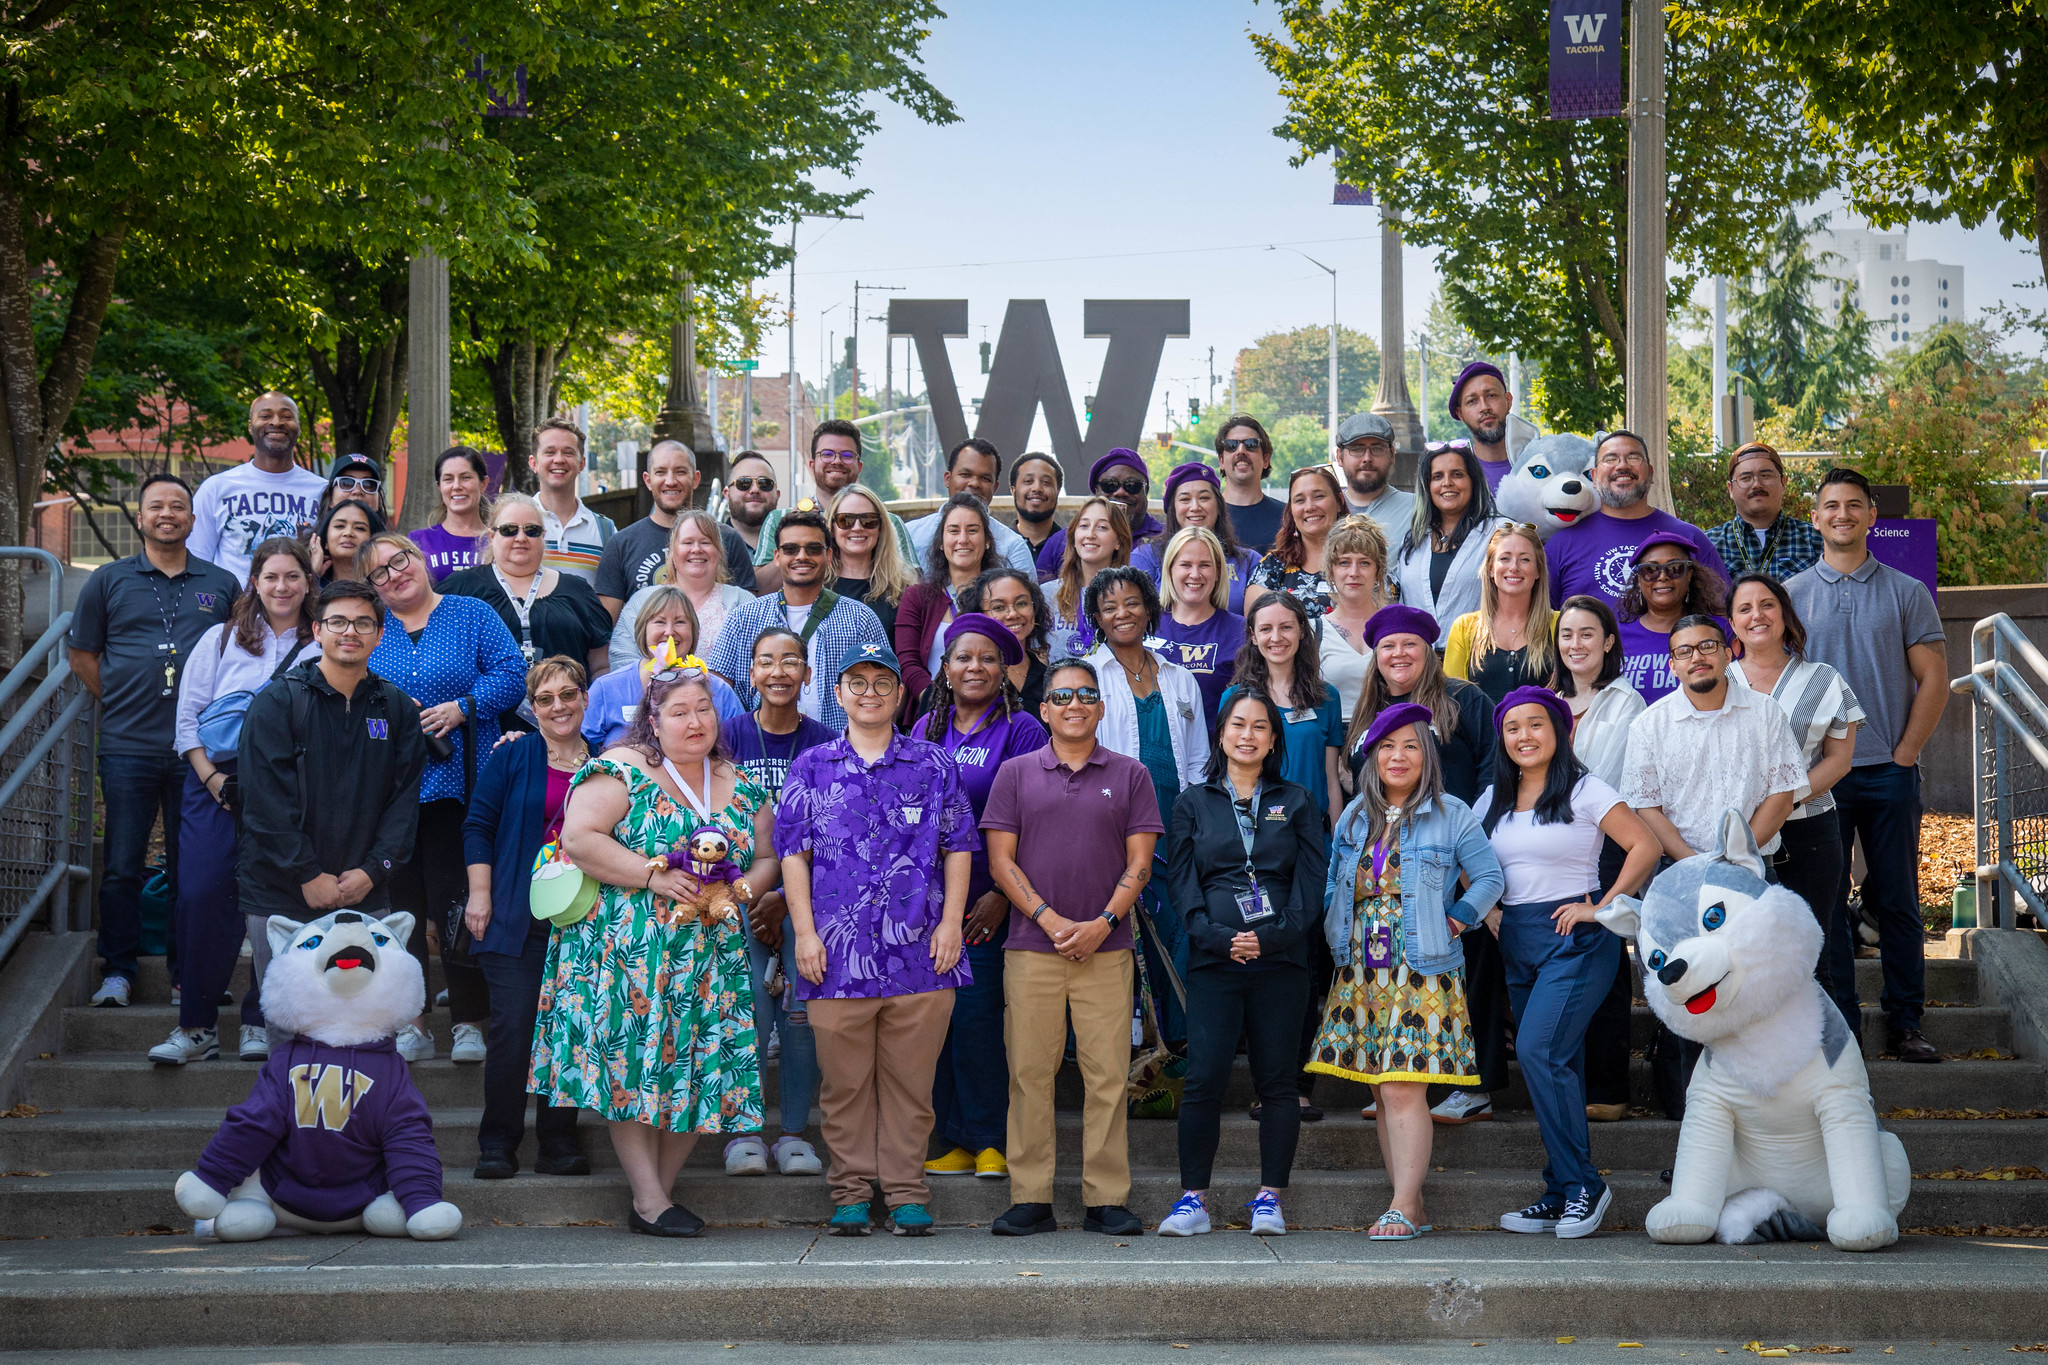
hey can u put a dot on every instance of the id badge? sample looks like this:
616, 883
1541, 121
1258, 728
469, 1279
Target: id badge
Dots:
1301, 715
1379, 946
1253, 907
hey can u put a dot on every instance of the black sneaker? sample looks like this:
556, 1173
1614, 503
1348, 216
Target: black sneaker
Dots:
1114, 1219
496, 1166
563, 1163
1023, 1220
1541, 1216
1582, 1212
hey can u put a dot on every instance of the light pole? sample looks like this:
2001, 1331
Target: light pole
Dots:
1331, 272
1646, 377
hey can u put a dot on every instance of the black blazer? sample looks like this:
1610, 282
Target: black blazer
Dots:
1205, 870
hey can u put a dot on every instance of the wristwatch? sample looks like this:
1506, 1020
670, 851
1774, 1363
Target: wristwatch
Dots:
1110, 918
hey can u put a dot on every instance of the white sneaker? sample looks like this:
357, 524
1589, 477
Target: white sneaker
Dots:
1190, 1218
187, 1045
773, 1048
255, 1043
1464, 1106
469, 1044
746, 1156
1267, 1220
1582, 1214
177, 995
113, 992
415, 1044
794, 1156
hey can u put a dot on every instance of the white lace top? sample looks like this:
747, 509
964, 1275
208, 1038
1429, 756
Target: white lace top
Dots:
1696, 764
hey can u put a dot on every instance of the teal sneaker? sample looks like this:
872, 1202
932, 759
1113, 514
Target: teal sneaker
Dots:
850, 1220
910, 1220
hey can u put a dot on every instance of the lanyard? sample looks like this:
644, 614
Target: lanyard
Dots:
1380, 850
524, 609
701, 807
169, 617
1247, 824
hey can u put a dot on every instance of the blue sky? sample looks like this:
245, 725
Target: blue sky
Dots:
1124, 149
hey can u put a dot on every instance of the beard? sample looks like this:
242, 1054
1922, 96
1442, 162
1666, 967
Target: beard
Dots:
1490, 436
1039, 518
1704, 685
1619, 500
749, 517
1367, 482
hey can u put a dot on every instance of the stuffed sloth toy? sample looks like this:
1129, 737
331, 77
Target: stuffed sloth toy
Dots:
1549, 484
335, 1136
1780, 1140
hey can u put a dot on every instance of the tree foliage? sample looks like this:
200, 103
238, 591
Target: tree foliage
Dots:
1794, 359
1293, 369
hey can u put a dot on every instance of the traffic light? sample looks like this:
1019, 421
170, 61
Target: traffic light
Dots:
984, 357
1194, 411
1088, 407
851, 352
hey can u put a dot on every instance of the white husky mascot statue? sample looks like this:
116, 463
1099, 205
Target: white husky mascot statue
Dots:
1549, 484
334, 1137
1780, 1140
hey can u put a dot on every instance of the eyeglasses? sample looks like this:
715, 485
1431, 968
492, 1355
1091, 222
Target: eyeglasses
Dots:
809, 549
857, 521
1757, 476
381, 575
1706, 649
830, 454
747, 483
351, 481
1250, 445
349, 625
567, 694
1122, 487
1615, 457
531, 530
1670, 568
1067, 696
861, 685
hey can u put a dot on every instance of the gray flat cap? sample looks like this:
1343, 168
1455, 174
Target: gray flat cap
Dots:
1361, 425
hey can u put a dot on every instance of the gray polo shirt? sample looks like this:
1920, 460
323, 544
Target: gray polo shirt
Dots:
1391, 511
1862, 624
142, 622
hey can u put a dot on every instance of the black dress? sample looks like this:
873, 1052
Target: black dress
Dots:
570, 620
857, 589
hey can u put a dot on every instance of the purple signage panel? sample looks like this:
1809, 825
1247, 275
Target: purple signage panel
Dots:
1352, 196
1586, 77
1906, 544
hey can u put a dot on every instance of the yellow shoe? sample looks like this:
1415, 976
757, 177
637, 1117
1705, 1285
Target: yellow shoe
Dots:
959, 1161
991, 1164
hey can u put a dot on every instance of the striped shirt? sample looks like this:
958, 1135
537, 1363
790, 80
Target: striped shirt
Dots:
1820, 706
849, 623
575, 546
1600, 738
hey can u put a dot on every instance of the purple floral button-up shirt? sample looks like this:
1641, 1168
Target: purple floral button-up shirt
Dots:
877, 834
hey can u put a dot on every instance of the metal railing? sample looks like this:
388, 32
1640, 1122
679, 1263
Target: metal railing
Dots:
46, 775
2009, 727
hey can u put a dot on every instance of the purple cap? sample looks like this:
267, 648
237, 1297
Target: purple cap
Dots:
1194, 471
1473, 371
1121, 455
1393, 718
1398, 619
998, 634
1656, 538
1560, 710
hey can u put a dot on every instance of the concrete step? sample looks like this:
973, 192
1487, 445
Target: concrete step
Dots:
122, 1139
111, 1202
794, 1285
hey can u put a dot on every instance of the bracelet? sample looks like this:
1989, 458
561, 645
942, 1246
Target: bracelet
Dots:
1042, 908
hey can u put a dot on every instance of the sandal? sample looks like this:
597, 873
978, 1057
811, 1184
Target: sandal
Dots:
1384, 1229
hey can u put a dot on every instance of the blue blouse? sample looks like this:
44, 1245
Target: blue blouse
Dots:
465, 653
615, 700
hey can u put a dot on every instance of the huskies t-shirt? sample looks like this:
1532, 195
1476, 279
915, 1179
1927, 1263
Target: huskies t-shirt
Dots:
238, 509
765, 756
1208, 650
1646, 659
1594, 557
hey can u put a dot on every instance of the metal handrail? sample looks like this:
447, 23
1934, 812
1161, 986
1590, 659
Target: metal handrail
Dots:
2008, 673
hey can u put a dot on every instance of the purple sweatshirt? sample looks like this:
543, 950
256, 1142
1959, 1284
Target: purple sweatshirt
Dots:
332, 1128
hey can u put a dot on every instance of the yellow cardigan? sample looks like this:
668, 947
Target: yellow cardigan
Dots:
1458, 649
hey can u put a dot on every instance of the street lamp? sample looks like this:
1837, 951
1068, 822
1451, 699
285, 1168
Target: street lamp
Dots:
1333, 339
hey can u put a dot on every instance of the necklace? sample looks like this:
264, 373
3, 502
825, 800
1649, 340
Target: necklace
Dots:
1145, 668
571, 764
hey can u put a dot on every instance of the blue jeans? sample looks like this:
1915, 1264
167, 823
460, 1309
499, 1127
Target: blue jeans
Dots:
971, 1087
136, 788
798, 1065
1881, 802
1555, 983
1171, 941
209, 924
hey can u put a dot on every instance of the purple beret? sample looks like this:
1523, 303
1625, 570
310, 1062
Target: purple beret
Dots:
1194, 471
1121, 455
1393, 718
1397, 619
1560, 710
1470, 372
974, 623
1656, 538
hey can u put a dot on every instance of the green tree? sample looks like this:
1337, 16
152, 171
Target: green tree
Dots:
1442, 107
1294, 369
1797, 362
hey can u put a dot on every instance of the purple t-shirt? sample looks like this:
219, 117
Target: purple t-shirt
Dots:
766, 757
1495, 471
996, 740
1070, 829
1146, 557
447, 552
877, 834
1646, 659
1593, 557
1209, 651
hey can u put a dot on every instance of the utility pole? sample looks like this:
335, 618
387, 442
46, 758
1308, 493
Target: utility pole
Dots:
1722, 436
789, 432
1212, 376
1393, 402
1333, 342
1646, 377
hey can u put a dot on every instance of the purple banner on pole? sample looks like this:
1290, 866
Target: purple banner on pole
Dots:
1352, 196
1906, 544
1586, 78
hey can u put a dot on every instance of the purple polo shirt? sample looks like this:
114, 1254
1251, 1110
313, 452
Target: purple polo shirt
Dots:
877, 833
1070, 829
996, 740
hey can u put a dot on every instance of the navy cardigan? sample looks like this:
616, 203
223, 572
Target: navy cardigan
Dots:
507, 816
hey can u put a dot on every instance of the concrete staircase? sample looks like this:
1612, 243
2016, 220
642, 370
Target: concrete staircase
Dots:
103, 1133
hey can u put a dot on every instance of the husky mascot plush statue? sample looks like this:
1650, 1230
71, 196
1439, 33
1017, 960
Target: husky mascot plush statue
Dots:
335, 1136
1780, 1140
1549, 484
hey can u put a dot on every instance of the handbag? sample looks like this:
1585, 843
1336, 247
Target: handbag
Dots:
220, 724
562, 893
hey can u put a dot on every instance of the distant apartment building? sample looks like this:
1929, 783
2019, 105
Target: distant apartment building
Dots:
1903, 298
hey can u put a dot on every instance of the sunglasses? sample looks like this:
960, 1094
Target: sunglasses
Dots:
1250, 445
1670, 568
1067, 696
1122, 487
351, 481
531, 530
1434, 446
861, 521
747, 483
805, 550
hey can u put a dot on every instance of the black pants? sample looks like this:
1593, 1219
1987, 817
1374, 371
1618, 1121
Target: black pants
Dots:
515, 1006
1808, 863
1608, 1037
434, 885
1264, 1007
1486, 1002
1322, 971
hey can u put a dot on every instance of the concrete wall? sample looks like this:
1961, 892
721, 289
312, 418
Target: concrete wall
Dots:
1945, 764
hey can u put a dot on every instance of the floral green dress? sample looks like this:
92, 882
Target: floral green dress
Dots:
646, 1016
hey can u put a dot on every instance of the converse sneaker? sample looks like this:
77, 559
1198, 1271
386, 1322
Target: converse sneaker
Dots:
1463, 1106
1266, 1217
1190, 1217
746, 1156
469, 1043
113, 993
1582, 1213
187, 1045
1540, 1216
794, 1156
255, 1043
415, 1044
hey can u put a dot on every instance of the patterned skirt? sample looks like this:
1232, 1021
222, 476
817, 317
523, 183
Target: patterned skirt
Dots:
1392, 1023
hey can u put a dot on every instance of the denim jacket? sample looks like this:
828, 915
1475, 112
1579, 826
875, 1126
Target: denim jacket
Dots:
1441, 841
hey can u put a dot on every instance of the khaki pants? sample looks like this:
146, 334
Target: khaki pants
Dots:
876, 1059
1039, 989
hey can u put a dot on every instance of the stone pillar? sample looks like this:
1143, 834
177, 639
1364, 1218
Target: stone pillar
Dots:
1394, 402
426, 385
683, 416
1646, 378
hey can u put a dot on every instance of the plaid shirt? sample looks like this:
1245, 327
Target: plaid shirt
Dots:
850, 623
1789, 547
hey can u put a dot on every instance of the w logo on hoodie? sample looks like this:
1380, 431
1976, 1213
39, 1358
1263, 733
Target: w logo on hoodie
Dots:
325, 1096
379, 729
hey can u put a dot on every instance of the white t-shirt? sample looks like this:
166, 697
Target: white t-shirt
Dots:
1552, 862
238, 509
